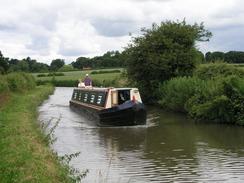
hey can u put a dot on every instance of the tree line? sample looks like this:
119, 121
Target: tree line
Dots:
229, 57
109, 59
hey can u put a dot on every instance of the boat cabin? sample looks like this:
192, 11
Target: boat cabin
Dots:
103, 98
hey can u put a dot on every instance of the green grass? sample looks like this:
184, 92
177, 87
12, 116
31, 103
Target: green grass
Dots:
71, 79
240, 66
25, 156
76, 75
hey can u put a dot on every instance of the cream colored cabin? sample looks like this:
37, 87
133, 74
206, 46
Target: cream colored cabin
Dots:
101, 98
117, 96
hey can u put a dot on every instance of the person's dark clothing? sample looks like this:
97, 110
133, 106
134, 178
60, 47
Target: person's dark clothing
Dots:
88, 81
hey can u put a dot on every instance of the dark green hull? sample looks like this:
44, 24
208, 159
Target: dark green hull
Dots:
127, 114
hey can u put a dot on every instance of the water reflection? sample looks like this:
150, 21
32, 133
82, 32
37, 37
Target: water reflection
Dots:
170, 148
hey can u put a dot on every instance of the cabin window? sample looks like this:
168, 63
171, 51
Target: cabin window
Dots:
74, 95
96, 97
85, 99
79, 96
99, 99
92, 98
123, 96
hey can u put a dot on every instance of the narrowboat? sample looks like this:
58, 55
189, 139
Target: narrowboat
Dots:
110, 106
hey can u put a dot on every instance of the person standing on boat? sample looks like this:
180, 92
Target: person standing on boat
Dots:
87, 81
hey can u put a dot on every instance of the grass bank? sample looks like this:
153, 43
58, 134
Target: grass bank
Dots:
25, 156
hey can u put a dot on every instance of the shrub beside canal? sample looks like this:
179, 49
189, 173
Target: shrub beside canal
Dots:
211, 95
3, 85
17, 82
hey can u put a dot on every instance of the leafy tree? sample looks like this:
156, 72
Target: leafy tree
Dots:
162, 52
217, 55
109, 59
66, 68
208, 56
199, 57
234, 57
81, 62
13, 61
56, 64
230, 57
23, 66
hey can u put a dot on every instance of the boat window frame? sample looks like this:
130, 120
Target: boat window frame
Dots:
114, 102
121, 101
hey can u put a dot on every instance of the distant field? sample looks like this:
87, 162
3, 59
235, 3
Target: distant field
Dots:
76, 75
241, 66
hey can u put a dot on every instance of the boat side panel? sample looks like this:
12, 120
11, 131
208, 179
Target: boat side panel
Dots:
88, 112
93, 97
124, 115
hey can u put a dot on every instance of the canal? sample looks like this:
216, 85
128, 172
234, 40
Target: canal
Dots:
170, 148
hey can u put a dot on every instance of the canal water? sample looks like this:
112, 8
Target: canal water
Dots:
170, 148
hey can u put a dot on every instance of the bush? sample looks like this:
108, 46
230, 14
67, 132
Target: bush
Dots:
16, 82
106, 71
41, 75
239, 65
224, 103
67, 68
3, 85
177, 91
216, 109
31, 83
65, 83
105, 83
20, 81
234, 89
59, 83
212, 70
51, 74
218, 99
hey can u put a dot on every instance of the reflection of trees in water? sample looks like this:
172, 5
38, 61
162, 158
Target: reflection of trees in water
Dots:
175, 144
177, 147
123, 139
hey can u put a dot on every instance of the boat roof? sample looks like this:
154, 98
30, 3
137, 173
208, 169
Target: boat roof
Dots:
102, 88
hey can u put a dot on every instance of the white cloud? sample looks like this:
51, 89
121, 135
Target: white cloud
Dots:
67, 29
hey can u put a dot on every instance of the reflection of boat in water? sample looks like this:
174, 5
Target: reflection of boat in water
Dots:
110, 106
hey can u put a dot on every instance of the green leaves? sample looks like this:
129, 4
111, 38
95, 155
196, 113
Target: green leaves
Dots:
56, 64
213, 70
220, 99
163, 52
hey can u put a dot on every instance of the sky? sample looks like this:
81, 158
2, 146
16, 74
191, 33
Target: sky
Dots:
50, 29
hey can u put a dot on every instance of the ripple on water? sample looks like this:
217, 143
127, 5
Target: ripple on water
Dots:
155, 152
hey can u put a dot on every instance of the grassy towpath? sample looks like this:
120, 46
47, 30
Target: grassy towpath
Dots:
25, 156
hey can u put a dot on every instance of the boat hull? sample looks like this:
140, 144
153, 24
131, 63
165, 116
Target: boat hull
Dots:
127, 114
